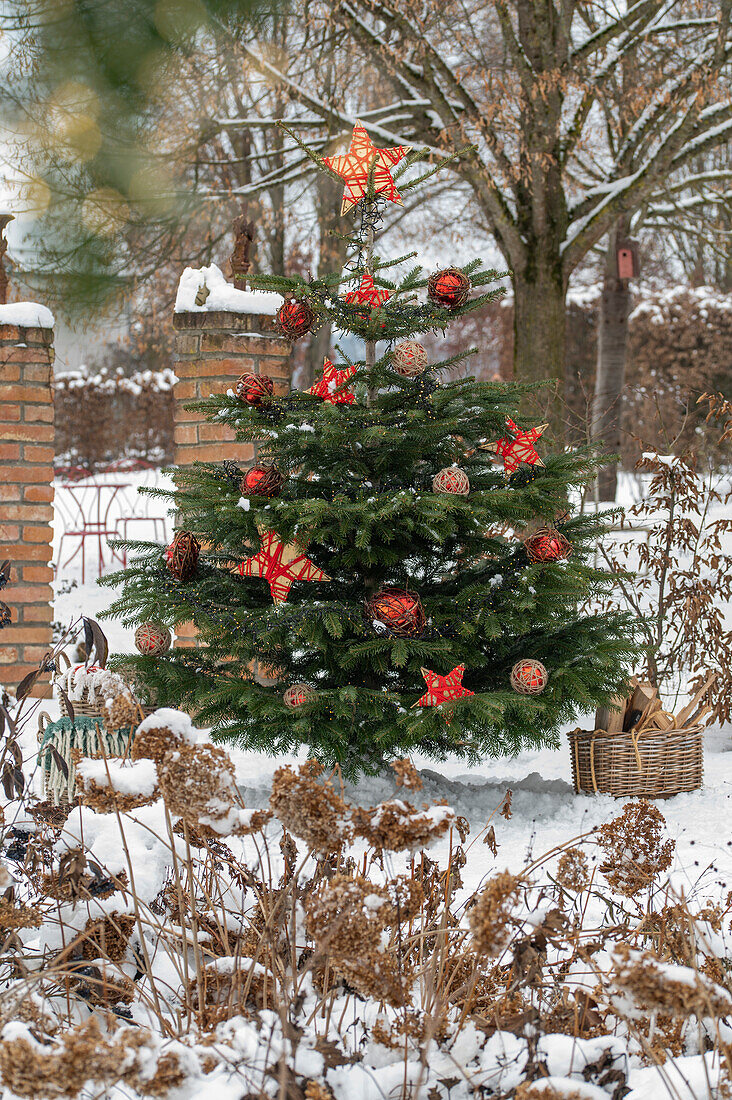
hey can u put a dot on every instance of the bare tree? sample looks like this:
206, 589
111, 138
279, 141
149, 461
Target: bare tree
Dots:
548, 174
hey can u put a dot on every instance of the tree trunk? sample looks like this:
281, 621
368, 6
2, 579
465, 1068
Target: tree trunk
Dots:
331, 257
612, 341
539, 337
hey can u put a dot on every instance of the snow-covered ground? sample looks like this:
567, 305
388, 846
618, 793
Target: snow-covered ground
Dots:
545, 809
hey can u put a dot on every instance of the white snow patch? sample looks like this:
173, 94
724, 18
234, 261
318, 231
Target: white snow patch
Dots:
222, 295
26, 315
137, 777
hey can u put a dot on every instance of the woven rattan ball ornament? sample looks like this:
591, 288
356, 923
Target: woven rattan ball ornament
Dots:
529, 677
152, 638
547, 544
254, 388
451, 480
408, 358
396, 612
181, 557
297, 695
262, 481
449, 288
295, 318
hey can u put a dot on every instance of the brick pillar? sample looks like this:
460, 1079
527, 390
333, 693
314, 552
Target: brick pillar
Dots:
26, 498
212, 349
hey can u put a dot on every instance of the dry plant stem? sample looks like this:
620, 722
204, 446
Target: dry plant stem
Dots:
194, 922
181, 906
138, 916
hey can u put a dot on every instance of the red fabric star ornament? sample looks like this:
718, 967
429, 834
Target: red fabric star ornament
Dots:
367, 294
440, 689
353, 168
517, 447
281, 564
330, 386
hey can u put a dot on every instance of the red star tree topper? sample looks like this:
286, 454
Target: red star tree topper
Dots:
367, 294
517, 447
281, 564
440, 689
330, 385
353, 168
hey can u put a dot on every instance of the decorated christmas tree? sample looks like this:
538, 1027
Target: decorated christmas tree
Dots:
404, 567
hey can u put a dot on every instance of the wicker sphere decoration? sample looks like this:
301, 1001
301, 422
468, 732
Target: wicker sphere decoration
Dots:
181, 557
152, 638
408, 358
547, 544
449, 288
297, 695
451, 480
529, 677
254, 388
262, 480
397, 612
295, 318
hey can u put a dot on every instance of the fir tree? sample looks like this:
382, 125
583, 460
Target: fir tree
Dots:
358, 457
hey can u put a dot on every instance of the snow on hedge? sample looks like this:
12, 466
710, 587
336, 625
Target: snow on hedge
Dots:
222, 295
26, 315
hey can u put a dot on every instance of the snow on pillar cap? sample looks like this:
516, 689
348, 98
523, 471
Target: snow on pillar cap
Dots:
222, 296
26, 315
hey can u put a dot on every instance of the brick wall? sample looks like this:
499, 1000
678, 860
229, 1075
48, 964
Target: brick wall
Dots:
26, 498
211, 351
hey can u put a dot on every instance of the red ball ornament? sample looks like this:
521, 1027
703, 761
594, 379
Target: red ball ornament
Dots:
451, 480
297, 695
529, 677
152, 638
253, 388
397, 612
295, 318
547, 544
449, 288
181, 557
262, 481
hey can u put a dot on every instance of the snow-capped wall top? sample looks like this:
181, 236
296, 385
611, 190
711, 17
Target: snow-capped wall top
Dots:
26, 315
222, 296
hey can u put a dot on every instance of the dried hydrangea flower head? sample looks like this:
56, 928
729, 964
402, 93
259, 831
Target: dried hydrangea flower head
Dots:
108, 937
634, 849
346, 918
198, 784
406, 774
310, 809
642, 982
121, 710
573, 870
495, 912
398, 826
161, 731
110, 785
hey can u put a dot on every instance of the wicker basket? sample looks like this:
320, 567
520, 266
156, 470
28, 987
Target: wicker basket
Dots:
57, 740
83, 708
649, 764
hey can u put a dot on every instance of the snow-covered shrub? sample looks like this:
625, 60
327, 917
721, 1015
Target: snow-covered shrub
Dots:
681, 582
105, 415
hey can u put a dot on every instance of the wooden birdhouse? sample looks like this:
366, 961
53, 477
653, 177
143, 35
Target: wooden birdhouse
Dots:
628, 259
